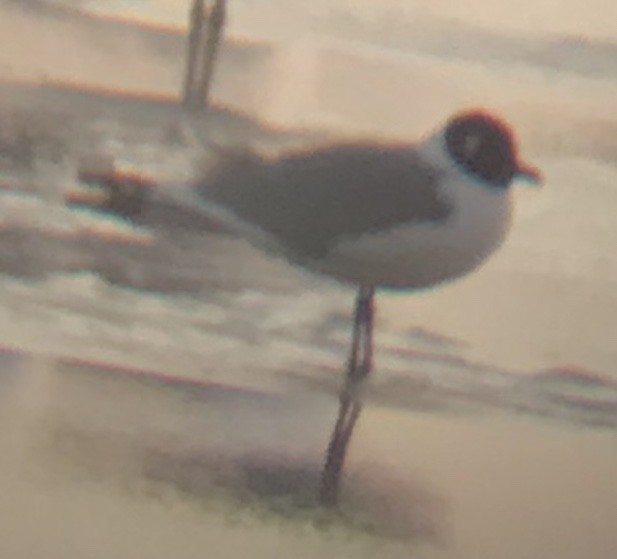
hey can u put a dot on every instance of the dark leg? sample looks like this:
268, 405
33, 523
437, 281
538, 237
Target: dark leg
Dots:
361, 356
349, 411
359, 366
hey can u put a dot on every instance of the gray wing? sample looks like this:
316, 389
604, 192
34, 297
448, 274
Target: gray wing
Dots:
310, 200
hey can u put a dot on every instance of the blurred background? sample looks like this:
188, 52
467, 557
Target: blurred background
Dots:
155, 383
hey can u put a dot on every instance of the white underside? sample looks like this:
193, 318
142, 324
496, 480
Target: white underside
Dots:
421, 255
408, 256
415, 256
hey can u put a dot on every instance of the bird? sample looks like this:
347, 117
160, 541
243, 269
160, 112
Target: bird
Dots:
376, 215
372, 214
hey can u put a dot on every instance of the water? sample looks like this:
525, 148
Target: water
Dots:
559, 259
588, 19
546, 301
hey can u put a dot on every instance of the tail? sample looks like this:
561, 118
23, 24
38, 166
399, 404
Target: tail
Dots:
124, 194
140, 199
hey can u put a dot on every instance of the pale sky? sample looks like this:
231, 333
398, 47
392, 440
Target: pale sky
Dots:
593, 18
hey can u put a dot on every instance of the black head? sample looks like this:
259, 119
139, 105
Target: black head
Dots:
485, 147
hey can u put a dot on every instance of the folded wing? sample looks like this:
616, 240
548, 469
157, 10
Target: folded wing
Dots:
309, 200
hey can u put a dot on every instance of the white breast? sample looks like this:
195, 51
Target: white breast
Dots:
421, 255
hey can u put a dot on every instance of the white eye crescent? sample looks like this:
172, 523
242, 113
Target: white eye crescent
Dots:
472, 145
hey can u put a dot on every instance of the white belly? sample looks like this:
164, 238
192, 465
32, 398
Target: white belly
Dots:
421, 255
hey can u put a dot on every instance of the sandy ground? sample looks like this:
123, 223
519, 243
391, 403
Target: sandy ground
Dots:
96, 463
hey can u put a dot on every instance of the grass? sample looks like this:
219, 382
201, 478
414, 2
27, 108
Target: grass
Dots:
248, 488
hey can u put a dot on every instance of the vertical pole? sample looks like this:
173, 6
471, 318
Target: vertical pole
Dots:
196, 17
213, 34
205, 34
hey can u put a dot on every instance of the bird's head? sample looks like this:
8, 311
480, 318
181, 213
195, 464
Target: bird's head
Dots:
484, 146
